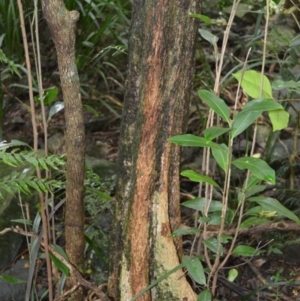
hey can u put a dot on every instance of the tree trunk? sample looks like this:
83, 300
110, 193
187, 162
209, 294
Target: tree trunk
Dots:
62, 24
147, 210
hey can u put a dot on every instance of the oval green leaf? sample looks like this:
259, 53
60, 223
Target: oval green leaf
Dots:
208, 36
261, 105
195, 269
203, 18
199, 205
254, 211
214, 132
271, 204
233, 273
279, 119
251, 82
215, 103
221, 155
254, 190
244, 251
259, 168
290, 85
185, 231
253, 221
60, 265
242, 121
192, 140
205, 296
195, 177
212, 244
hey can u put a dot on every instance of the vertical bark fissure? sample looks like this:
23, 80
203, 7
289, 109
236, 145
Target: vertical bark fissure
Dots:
161, 59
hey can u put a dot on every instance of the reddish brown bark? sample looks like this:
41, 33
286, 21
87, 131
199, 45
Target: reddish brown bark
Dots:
161, 66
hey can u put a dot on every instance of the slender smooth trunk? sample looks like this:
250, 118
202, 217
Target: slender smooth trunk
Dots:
62, 25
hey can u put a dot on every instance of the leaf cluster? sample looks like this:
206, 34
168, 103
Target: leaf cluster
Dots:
257, 171
22, 162
23, 183
17, 158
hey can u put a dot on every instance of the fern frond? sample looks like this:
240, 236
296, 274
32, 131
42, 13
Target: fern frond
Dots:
24, 183
18, 158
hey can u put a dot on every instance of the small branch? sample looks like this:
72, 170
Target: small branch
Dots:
280, 226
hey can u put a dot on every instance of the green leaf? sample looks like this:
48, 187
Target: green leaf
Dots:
11, 160
32, 160
244, 251
215, 218
254, 211
42, 186
242, 121
195, 177
204, 219
96, 249
50, 95
254, 221
22, 221
214, 132
215, 103
286, 74
192, 140
205, 296
195, 269
7, 188
221, 155
60, 265
225, 238
24, 186
252, 181
90, 109
271, 204
212, 244
250, 112
18, 187
233, 273
34, 185
279, 119
60, 251
185, 231
261, 105
208, 36
281, 84
259, 168
43, 163
3, 58
199, 205
11, 279
254, 190
251, 82
203, 18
